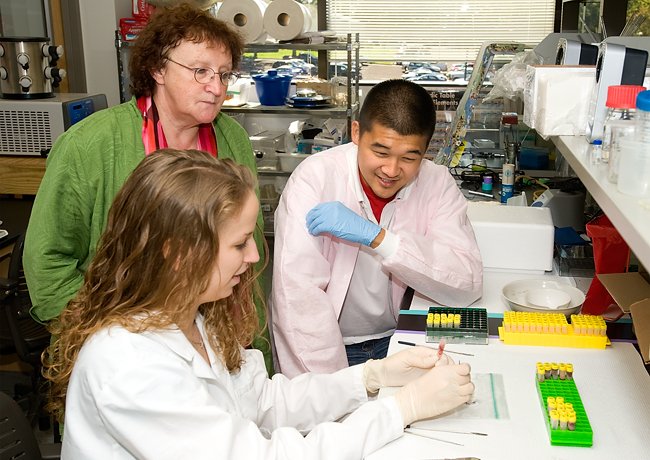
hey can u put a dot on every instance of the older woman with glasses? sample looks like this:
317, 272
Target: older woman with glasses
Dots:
180, 66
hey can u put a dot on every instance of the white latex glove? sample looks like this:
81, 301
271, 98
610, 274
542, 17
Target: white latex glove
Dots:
399, 369
437, 391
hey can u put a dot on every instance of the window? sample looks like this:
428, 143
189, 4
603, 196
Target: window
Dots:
438, 30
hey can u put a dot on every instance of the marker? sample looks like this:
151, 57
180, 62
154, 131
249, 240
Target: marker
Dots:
411, 344
487, 195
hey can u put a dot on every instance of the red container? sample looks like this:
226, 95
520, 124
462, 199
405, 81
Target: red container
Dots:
130, 28
610, 256
142, 9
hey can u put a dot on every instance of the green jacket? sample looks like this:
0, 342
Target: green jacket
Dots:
84, 171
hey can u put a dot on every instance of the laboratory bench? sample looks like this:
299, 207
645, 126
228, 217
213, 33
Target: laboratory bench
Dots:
613, 385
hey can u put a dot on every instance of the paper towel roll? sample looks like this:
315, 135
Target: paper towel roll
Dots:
247, 16
286, 19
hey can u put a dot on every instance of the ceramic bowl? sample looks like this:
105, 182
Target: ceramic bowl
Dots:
515, 292
547, 298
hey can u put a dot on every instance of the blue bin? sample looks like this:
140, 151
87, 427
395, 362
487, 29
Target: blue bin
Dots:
272, 88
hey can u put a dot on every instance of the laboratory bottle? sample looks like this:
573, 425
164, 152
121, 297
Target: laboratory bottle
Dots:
620, 121
597, 152
643, 117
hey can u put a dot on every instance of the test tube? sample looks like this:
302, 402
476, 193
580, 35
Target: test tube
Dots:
457, 321
436, 320
430, 320
540, 374
564, 420
569, 371
547, 371
568, 407
552, 405
551, 327
506, 323
560, 406
562, 371
555, 420
572, 422
555, 371
443, 320
559, 399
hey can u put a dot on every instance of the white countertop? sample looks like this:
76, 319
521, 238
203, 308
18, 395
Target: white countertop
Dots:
614, 388
493, 283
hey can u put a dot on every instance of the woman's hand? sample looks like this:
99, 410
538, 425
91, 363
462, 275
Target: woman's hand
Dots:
401, 368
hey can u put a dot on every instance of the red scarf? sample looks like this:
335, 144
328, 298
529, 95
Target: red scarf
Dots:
377, 203
153, 136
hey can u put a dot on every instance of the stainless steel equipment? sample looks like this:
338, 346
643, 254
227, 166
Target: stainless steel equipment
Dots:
30, 127
28, 67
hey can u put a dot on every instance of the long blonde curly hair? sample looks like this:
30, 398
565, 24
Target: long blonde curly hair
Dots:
155, 258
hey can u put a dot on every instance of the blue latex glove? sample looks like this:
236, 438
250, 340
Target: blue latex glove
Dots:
339, 220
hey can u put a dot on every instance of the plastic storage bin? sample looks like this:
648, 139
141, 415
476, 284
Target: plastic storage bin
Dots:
290, 161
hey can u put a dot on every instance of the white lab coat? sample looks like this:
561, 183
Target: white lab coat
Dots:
437, 255
152, 396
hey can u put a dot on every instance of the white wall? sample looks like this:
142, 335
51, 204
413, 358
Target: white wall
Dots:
99, 20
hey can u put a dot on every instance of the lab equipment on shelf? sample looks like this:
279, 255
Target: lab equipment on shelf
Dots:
565, 416
620, 121
553, 330
457, 325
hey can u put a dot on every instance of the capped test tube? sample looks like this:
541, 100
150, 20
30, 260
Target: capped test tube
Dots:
443, 320
555, 371
547, 371
568, 407
569, 371
436, 320
430, 320
506, 323
559, 400
540, 373
560, 406
555, 420
552, 405
564, 420
562, 371
457, 321
572, 421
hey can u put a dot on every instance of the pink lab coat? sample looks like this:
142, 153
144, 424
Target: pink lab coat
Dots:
437, 256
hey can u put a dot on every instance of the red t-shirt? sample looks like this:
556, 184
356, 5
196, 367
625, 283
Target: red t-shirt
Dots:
377, 203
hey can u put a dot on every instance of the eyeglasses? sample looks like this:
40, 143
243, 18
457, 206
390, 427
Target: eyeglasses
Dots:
205, 76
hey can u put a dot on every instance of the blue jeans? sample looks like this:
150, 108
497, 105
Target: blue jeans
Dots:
370, 349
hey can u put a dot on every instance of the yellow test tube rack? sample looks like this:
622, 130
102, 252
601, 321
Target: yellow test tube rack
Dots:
553, 330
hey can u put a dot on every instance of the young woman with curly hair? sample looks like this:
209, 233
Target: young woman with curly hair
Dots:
150, 361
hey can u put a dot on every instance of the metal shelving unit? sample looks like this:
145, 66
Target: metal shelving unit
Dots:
350, 45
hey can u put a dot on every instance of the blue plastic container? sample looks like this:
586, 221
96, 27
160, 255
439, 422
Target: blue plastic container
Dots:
272, 88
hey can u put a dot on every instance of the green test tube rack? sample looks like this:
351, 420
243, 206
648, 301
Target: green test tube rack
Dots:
472, 329
583, 436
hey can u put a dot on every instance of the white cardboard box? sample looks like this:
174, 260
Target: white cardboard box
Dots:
513, 238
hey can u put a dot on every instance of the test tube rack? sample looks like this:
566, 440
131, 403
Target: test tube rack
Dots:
472, 327
583, 436
553, 330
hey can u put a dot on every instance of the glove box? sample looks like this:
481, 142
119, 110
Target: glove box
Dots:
513, 239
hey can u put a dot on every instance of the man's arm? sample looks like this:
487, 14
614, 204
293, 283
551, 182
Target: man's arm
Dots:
305, 325
444, 263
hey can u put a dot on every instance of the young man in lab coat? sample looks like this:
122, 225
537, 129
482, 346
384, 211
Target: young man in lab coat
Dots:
358, 224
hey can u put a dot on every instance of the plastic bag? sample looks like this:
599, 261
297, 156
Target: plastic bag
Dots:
509, 80
610, 256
